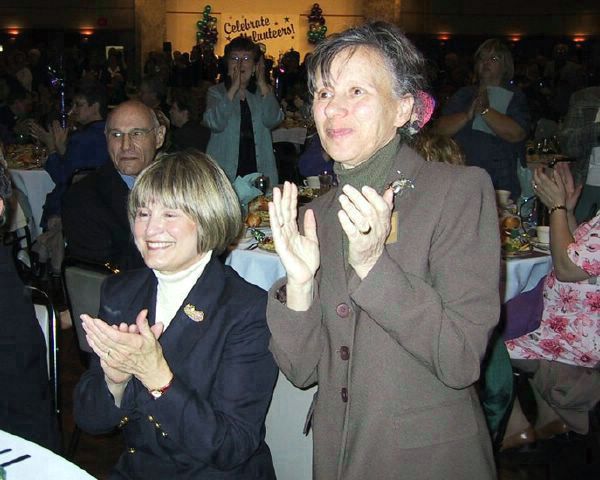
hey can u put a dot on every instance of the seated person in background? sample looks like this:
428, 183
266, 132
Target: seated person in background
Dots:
15, 111
153, 94
185, 114
314, 160
564, 352
26, 401
183, 342
438, 148
84, 148
580, 139
95, 209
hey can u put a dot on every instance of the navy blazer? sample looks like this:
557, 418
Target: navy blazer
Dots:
210, 423
95, 222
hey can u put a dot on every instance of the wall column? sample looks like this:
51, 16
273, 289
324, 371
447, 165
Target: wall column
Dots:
150, 29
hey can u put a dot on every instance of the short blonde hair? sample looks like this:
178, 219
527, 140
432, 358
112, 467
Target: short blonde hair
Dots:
193, 183
438, 148
495, 46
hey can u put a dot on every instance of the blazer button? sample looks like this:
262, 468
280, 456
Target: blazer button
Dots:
131, 450
343, 310
344, 353
344, 394
123, 421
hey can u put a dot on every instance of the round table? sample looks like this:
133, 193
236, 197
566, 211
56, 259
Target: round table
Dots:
42, 464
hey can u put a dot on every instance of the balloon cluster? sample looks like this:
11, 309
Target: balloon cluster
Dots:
207, 28
316, 24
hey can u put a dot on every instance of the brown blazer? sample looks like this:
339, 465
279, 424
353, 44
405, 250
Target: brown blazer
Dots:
395, 356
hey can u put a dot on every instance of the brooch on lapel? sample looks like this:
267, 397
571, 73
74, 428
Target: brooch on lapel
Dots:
401, 184
191, 312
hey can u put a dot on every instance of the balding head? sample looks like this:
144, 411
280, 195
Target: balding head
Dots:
133, 135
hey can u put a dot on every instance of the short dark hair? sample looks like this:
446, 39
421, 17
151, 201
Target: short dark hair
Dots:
192, 100
401, 58
245, 45
94, 92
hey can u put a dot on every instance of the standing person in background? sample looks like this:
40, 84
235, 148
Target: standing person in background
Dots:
490, 120
391, 288
241, 112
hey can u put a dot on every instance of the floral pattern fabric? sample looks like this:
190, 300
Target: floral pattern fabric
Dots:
570, 328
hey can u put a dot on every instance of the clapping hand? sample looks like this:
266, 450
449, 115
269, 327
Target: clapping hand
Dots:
365, 217
558, 188
129, 350
298, 253
59, 135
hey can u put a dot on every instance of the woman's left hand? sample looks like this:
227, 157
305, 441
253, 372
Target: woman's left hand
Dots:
134, 350
549, 189
365, 217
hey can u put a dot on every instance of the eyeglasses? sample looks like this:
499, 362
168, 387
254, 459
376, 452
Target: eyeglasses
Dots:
243, 58
491, 58
136, 135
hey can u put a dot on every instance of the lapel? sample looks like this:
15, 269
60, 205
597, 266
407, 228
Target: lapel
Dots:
184, 333
114, 192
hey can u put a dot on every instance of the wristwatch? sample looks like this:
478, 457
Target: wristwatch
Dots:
159, 392
484, 111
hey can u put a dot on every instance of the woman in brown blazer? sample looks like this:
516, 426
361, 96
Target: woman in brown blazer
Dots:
392, 280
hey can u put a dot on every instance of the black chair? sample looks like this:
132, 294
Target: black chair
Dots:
46, 316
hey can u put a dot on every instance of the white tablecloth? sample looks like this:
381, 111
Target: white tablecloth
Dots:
35, 184
43, 464
291, 450
522, 274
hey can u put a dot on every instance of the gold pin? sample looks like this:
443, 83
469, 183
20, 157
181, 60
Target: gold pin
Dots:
195, 315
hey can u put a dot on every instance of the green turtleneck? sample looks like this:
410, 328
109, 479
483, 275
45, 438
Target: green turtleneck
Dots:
372, 172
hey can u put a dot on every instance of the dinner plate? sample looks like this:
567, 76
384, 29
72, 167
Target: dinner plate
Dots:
517, 254
267, 246
541, 246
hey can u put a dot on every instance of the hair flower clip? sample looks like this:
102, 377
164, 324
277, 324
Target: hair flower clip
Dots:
191, 312
401, 184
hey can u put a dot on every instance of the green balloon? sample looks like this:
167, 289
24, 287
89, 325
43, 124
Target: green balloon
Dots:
199, 24
208, 8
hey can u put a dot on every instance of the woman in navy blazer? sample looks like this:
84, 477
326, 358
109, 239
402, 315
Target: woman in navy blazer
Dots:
182, 364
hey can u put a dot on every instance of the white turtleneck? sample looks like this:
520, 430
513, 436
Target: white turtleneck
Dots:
173, 288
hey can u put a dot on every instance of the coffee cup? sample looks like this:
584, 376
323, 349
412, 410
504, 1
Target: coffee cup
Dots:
543, 233
502, 197
312, 182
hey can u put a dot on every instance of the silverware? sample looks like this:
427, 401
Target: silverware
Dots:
252, 246
15, 460
6, 450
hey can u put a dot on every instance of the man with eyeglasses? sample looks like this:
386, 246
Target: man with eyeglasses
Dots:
95, 209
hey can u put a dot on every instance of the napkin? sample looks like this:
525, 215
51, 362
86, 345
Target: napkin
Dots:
245, 189
499, 98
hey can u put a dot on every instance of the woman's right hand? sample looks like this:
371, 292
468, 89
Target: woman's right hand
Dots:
298, 253
235, 73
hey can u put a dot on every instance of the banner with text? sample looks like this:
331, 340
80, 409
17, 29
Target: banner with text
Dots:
279, 33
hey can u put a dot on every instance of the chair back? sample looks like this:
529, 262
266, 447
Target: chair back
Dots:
82, 286
46, 317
